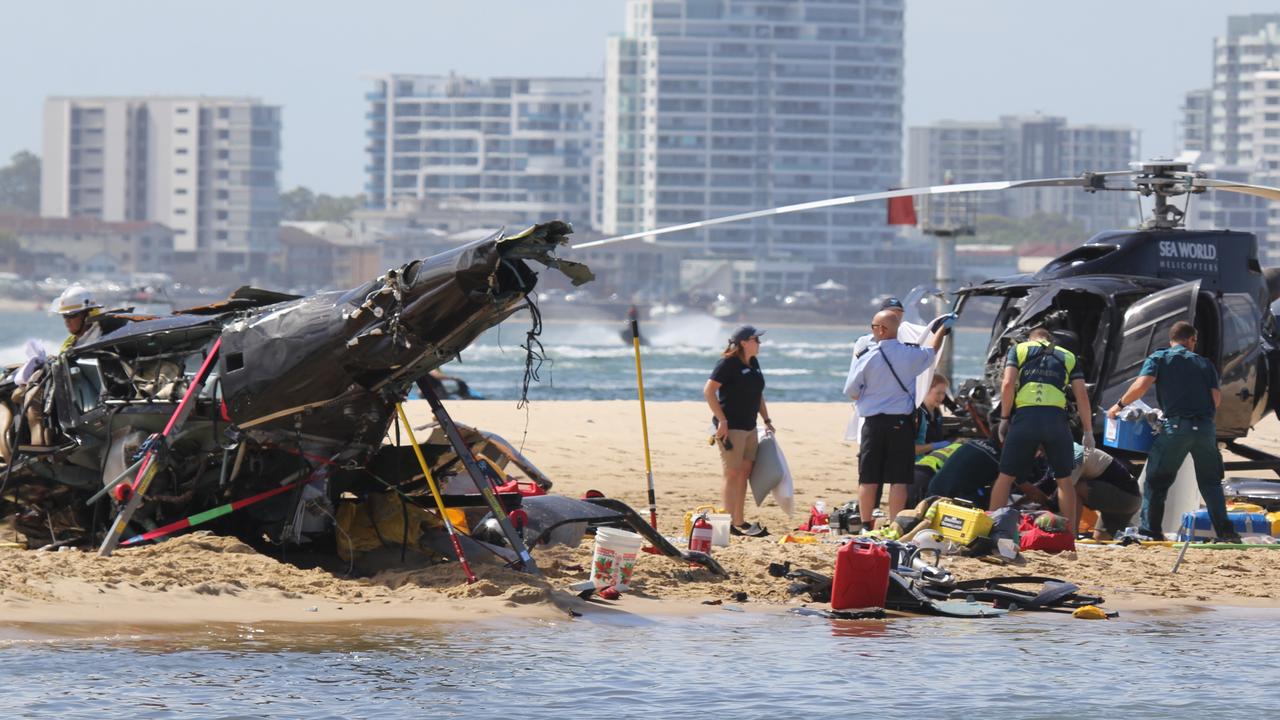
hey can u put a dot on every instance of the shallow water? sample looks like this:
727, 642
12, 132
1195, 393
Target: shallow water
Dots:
724, 664
590, 361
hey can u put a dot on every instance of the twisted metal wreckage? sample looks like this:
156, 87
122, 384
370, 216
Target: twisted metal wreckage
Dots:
279, 406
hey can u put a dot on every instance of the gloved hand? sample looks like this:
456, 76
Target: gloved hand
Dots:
1002, 430
942, 321
940, 444
1089, 441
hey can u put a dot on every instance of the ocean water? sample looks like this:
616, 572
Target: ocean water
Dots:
730, 665
590, 360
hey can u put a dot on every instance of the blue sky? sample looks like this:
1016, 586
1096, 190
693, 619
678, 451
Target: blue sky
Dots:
1091, 60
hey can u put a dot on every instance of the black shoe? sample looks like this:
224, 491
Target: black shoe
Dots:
748, 530
1229, 538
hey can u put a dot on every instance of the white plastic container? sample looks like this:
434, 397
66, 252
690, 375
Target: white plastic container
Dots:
719, 528
1183, 497
615, 557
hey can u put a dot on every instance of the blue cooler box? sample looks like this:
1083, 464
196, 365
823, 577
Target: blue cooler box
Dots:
1136, 435
1197, 524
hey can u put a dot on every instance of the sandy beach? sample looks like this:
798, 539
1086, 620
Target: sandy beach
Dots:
580, 446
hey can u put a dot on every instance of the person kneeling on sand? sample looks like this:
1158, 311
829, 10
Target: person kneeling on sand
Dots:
967, 472
1103, 484
735, 393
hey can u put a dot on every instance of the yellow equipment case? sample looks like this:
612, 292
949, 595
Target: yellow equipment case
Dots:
959, 521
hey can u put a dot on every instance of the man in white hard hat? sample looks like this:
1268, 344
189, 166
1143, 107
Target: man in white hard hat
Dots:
76, 306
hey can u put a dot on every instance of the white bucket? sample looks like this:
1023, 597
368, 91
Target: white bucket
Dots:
719, 528
615, 557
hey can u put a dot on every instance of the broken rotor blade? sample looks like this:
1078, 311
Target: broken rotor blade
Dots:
846, 200
1262, 191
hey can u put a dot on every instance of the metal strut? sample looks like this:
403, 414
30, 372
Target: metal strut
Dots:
482, 484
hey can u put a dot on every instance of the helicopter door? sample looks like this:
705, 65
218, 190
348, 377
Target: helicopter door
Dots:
1146, 329
1240, 357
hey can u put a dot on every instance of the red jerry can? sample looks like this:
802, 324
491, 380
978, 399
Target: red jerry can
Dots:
861, 578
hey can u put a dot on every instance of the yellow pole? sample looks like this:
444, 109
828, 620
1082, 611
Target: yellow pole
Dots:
644, 420
435, 493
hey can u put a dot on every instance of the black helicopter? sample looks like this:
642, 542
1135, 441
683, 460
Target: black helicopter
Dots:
281, 406
226, 400
1113, 299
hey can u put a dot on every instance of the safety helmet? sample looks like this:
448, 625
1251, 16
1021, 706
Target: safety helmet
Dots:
73, 300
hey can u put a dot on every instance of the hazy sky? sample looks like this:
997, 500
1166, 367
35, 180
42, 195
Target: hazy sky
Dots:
1109, 61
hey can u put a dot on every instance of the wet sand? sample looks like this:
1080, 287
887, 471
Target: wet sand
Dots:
585, 445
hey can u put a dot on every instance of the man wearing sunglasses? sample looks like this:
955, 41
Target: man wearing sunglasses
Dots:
882, 384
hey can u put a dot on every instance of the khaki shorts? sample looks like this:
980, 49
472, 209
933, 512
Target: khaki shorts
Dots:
745, 443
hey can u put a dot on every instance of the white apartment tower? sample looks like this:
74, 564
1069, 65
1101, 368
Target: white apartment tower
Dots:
1251, 44
714, 107
1243, 130
1196, 127
521, 149
206, 167
1025, 147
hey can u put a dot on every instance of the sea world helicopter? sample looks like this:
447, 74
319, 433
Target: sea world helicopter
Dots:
1113, 299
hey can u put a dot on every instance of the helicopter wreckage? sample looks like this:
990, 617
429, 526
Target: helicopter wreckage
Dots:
279, 407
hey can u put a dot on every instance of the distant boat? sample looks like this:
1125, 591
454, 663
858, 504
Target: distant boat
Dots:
666, 310
723, 309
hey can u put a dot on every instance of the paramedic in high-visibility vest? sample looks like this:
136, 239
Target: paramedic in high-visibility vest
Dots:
1187, 390
1033, 415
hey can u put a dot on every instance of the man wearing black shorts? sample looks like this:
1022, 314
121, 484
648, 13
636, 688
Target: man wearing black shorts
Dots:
1033, 409
882, 383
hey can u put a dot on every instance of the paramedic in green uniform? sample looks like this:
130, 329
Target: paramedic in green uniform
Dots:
1187, 390
1037, 375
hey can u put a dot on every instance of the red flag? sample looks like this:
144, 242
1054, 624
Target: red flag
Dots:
902, 210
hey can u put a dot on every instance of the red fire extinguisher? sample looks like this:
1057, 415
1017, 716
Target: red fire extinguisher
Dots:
700, 535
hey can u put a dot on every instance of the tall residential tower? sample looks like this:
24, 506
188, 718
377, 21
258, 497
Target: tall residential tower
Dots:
715, 107
1025, 147
518, 149
206, 167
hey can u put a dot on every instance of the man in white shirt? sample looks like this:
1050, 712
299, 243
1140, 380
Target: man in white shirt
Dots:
908, 332
879, 382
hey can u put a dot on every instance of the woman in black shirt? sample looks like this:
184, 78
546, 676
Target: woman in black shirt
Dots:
735, 393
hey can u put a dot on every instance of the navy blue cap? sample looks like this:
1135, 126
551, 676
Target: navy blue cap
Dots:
891, 302
744, 332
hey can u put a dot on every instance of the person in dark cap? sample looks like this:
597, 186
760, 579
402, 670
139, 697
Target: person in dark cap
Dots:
735, 393
881, 382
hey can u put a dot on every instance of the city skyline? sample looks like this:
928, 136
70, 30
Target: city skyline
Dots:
965, 61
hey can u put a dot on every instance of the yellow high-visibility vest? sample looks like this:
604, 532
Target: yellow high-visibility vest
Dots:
935, 459
1036, 393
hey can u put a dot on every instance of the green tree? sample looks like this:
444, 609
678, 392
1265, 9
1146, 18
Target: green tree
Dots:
335, 208
302, 204
296, 204
20, 184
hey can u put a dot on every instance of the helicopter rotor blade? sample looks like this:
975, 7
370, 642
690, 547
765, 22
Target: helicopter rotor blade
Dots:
846, 200
1262, 191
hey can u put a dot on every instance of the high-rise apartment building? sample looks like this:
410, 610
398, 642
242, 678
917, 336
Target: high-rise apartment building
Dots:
1025, 147
714, 107
206, 167
1243, 127
1196, 126
1251, 43
517, 148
